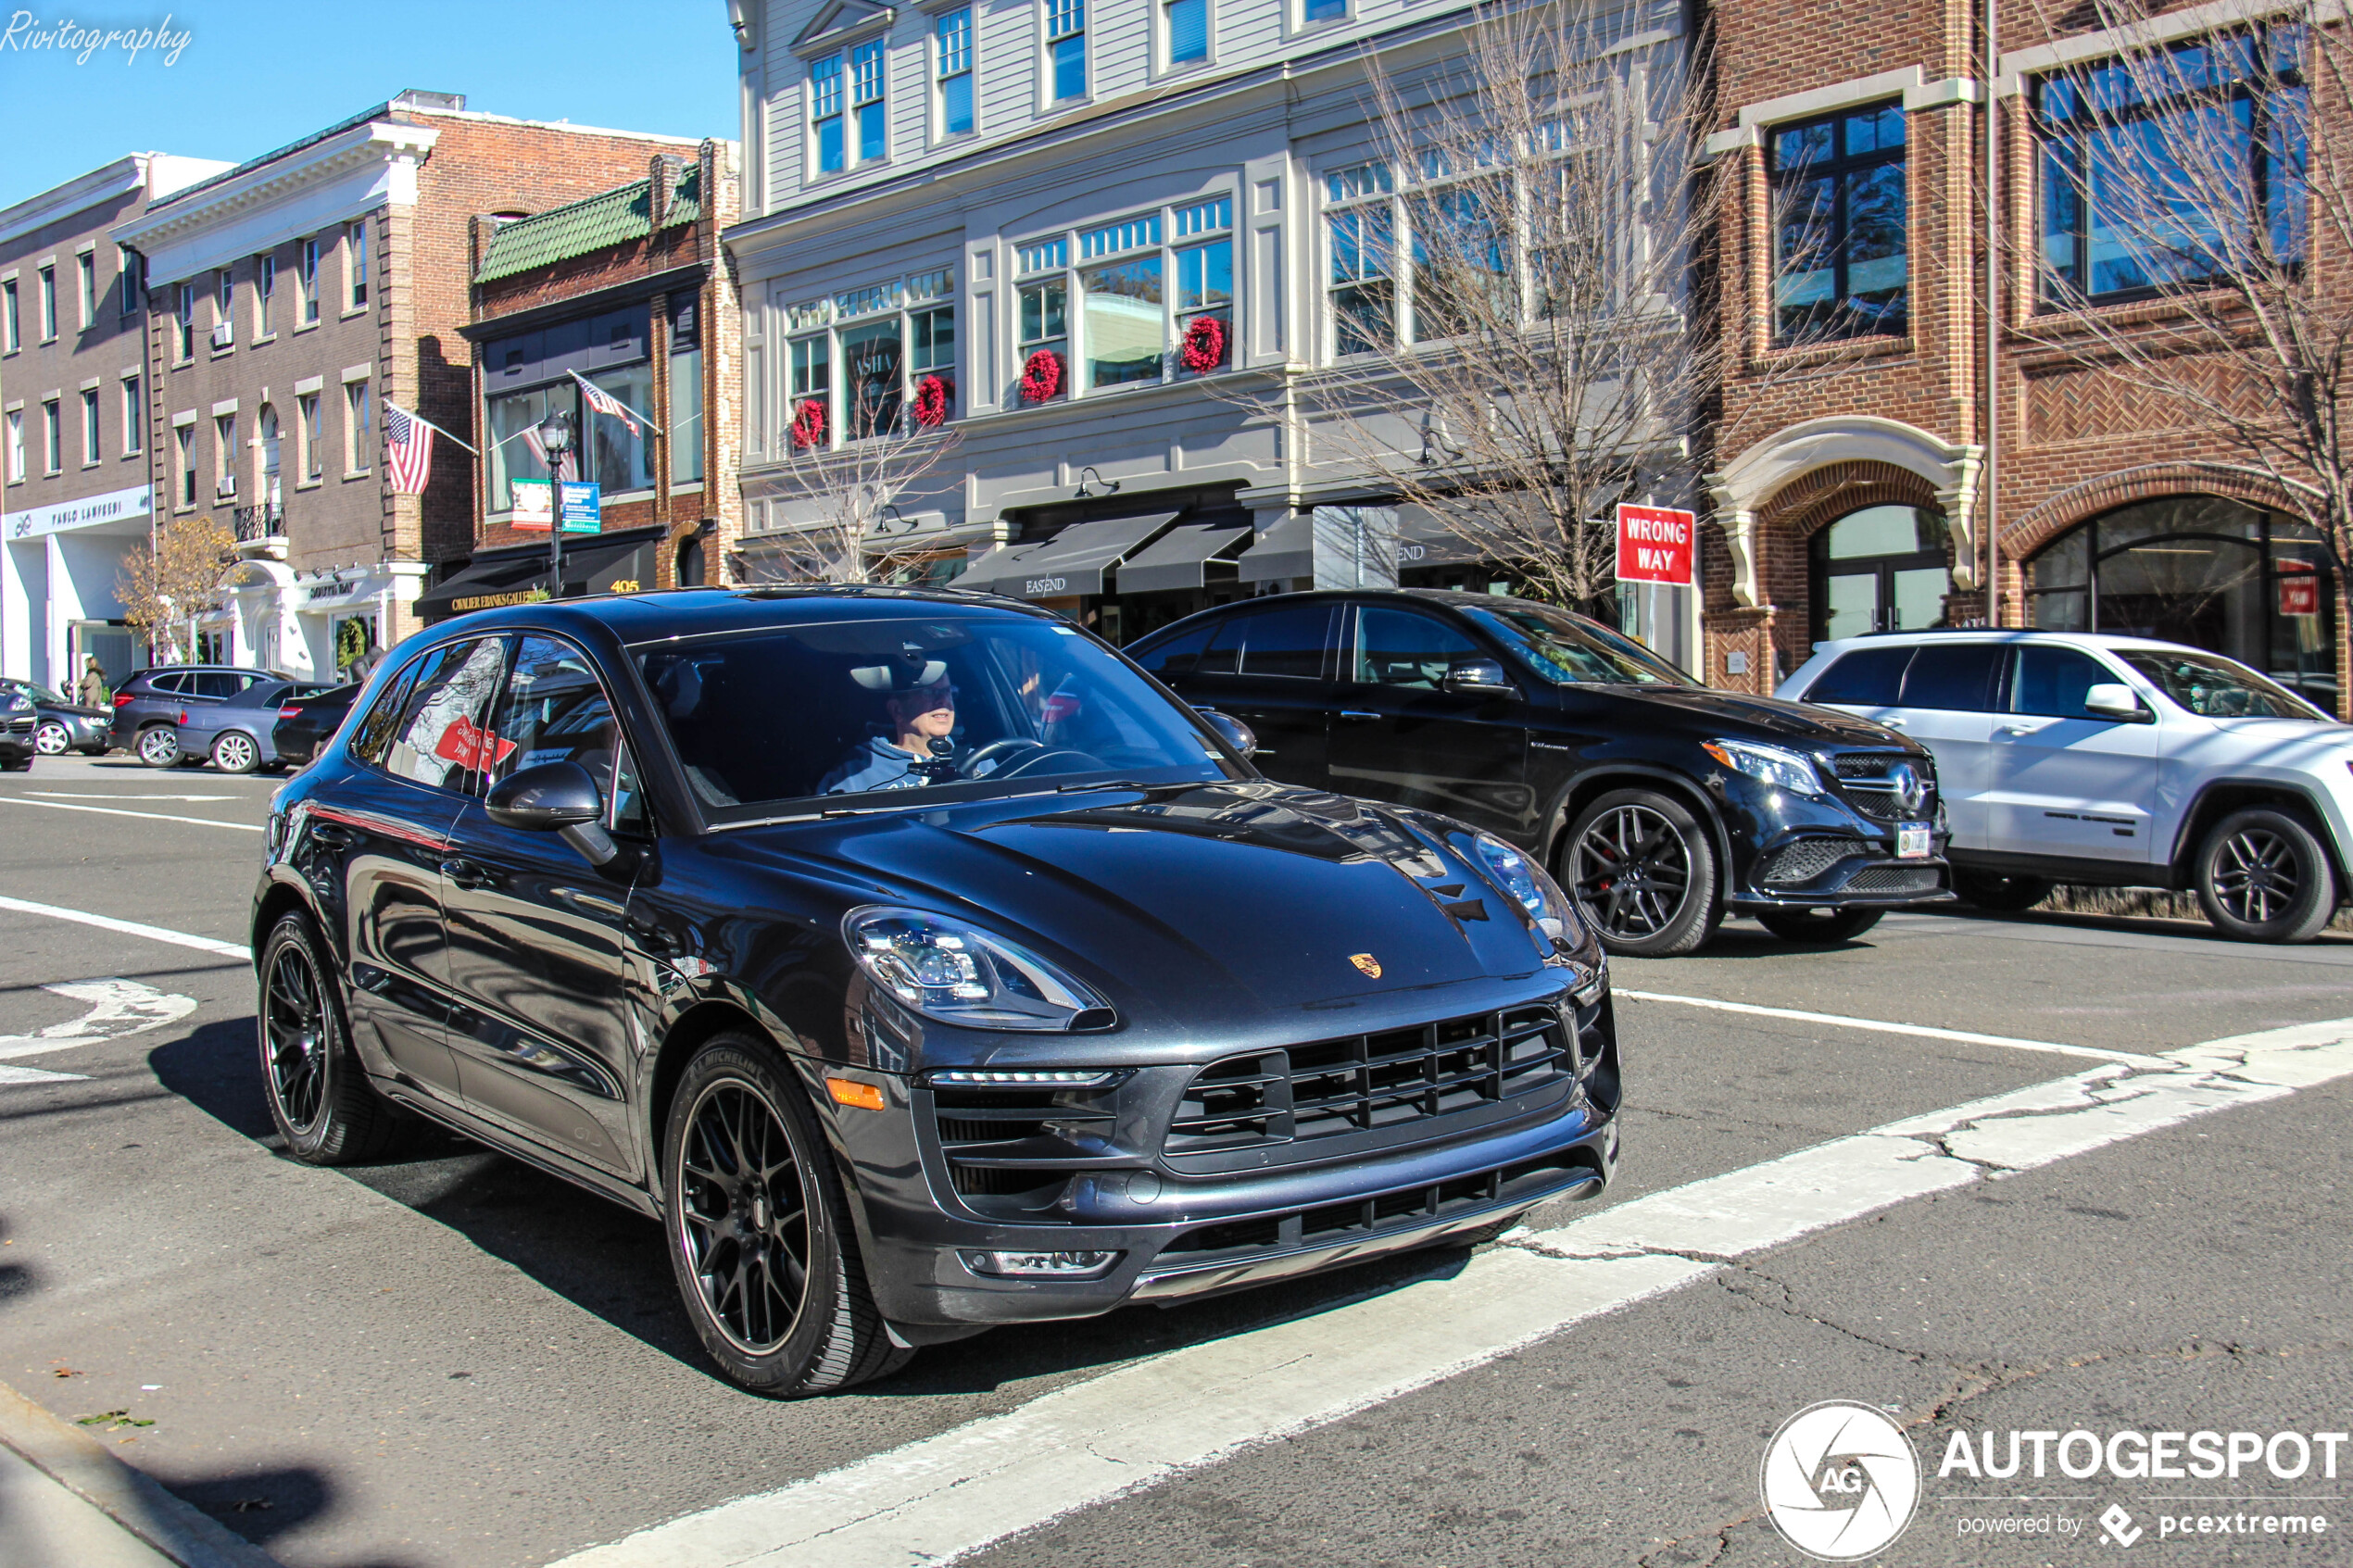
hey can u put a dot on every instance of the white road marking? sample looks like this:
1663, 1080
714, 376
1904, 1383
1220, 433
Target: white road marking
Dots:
37, 1075
118, 811
117, 1007
1926, 1032
94, 795
129, 928
941, 1497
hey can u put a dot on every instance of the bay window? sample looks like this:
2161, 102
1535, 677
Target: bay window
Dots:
1045, 304
1123, 309
1358, 232
1140, 286
895, 347
952, 34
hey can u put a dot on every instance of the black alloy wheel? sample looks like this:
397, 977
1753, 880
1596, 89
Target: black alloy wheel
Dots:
319, 1093
1642, 868
1999, 892
2262, 876
759, 1229
52, 739
1818, 925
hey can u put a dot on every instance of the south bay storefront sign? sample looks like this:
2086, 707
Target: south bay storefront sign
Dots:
66, 516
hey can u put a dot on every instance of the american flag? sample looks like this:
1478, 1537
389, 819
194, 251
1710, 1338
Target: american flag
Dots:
604, 402
407, 450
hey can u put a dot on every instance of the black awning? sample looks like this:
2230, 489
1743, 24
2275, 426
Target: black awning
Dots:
983, 575
1180, 557
1442, 536
1286, 551
593, 564
1076, 560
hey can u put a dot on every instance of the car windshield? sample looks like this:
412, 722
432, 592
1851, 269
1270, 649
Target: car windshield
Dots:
867, 714
2215, 688
1570, 651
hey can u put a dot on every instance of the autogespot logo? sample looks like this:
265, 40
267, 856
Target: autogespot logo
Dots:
1839, 1481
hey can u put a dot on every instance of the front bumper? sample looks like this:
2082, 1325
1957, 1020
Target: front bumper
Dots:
1812, 852
1180, 1232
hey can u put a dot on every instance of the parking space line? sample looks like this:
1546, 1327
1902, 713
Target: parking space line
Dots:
116, 811
942, 1497
1924, 1031
129, 928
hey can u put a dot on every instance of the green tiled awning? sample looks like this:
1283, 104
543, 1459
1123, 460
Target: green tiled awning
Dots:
594, 224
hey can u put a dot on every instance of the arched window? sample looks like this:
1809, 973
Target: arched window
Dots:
1883, 568
690, 563
2198, 569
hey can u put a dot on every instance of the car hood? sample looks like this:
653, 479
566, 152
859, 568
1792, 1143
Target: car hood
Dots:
1224, 900
76, 709
2277, 743
1765, 717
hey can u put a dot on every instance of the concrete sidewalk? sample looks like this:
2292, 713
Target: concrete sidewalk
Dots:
66, 1502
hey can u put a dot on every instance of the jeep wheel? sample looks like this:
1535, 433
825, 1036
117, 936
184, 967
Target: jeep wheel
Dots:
1642, 867
2261, 876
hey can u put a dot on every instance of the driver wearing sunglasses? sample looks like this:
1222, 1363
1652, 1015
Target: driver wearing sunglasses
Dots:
915, 746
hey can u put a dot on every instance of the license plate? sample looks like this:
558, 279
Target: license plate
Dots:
1911, 841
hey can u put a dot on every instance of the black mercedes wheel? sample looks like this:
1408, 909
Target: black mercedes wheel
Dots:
1641, 866
759, 1230
2262, 876
319, 1093
1818, 925
1997, 891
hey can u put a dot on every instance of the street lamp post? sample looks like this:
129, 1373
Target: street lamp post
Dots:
555, 440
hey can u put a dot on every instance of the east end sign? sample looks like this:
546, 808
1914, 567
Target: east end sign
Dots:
1654, 544
67, 516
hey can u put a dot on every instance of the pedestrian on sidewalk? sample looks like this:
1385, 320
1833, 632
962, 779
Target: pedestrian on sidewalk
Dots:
91, 690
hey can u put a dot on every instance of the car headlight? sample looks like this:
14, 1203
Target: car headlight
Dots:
1784, 768
1530, 886
17, 702
957, 974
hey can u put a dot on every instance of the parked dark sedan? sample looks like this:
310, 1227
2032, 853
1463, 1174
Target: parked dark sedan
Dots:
61, 724
916, 962
1661, 803
307, 721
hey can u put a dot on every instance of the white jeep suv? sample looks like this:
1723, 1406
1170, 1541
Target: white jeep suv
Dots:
2070, 757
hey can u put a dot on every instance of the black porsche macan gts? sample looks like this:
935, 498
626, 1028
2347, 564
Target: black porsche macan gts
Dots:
917, 961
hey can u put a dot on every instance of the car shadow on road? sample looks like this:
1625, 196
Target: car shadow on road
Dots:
266, 1506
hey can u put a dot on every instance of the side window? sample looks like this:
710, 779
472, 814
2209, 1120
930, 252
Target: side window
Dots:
1956, 677
165, 686
374, 733
1402, 647
556, 711
442, 739
1177, 655
1866, 678
2053, 680
1286, 642
628, 796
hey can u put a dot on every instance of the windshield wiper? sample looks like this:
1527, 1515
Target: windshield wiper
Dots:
1101, 783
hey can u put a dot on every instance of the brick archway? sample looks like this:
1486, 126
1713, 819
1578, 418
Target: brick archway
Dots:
2152, 482
1787, 521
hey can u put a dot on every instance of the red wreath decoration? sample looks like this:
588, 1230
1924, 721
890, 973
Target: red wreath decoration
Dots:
1205, 347
1042, 376
933, 396
808, 423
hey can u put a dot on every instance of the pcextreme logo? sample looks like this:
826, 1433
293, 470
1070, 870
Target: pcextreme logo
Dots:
1839, 1481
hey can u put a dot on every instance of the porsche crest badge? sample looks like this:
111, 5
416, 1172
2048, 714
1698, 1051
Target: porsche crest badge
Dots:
1365, 961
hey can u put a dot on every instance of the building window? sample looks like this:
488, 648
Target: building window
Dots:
306, 282
90, 451
1188, 30
358, 428
48, 304
1314, 11
890, 341
265, 290
2150, 183
184, 457
684, 414
86, 271
224, 444
307, 435
866, 72
1045, 302
134, 417
9, 342
52, 455
355, 249
1066, 47
131, 269
1140, 286
184, 318
1359, 230
953, 33
224, 315
524, 384
1123, 306
1838, 235
16, 445
824, 114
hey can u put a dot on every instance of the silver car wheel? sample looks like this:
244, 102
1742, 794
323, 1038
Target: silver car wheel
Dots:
158, 748
234, 752
52, 739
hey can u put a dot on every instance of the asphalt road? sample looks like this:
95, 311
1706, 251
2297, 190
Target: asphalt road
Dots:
454, 1360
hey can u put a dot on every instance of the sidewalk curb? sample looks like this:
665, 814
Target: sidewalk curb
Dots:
133, 1500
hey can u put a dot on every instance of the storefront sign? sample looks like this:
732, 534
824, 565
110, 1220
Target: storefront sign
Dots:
531, 504
584, 505
66, 516
1654, 544
2300, 592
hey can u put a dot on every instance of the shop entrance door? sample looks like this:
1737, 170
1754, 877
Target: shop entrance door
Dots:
1883, 568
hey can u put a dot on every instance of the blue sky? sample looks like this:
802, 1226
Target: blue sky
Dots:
257, 74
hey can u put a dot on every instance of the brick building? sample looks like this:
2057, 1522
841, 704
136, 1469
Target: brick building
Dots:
73, 419
628, 291
289, 298
1851, 464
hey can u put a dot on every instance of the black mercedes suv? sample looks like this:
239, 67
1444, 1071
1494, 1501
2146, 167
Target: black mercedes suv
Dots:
916, 962
1662, 804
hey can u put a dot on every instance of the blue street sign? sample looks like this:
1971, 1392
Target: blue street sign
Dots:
583, 509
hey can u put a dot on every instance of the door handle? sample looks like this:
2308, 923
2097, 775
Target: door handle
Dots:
2020, 729
333, 835
1356, 713
466, 875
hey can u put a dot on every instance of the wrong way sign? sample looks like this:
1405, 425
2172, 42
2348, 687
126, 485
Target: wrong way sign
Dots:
1654, 544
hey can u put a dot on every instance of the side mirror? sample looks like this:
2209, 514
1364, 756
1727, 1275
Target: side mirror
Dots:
1479, 677
555, 798
1230, 730
2114, 700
